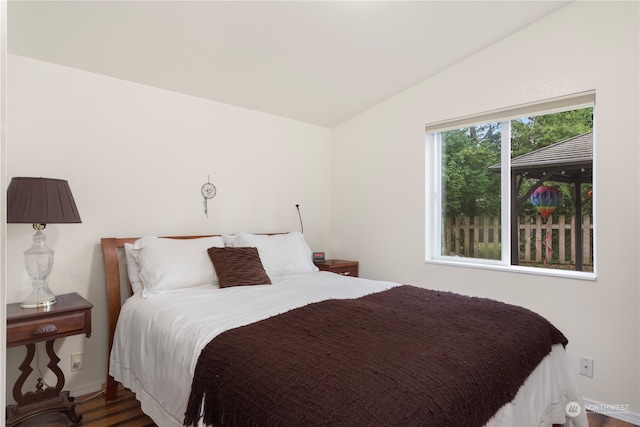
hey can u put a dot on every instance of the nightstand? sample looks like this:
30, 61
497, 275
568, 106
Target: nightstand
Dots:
345, 268
71, 315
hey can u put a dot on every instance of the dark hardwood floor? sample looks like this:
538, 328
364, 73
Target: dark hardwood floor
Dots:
122, 412
125, 412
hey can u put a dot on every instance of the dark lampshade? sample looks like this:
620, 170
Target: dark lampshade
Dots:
41, 201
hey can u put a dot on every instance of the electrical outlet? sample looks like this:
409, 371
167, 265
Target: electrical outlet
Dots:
586, 367
77, 361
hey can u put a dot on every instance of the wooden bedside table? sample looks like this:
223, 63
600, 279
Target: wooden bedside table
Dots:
71, 315
345, 268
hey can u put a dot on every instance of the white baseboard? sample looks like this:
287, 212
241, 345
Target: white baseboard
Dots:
619, 412
87, 389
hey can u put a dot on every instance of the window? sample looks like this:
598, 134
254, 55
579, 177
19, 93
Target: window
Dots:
514, 188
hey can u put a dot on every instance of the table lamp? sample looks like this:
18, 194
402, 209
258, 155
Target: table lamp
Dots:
40, 201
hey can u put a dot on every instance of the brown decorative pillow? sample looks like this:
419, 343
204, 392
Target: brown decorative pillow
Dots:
238, 266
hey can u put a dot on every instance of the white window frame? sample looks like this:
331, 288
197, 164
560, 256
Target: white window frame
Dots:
433, 184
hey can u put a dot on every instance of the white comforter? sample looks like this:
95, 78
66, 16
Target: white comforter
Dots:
158, 341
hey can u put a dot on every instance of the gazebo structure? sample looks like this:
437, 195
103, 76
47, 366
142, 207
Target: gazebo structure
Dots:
570, 162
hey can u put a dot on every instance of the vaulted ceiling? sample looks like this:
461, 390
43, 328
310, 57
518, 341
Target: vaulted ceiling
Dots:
320, 62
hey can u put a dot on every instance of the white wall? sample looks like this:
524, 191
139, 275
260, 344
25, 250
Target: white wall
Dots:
378, 191
3, 75
136, 158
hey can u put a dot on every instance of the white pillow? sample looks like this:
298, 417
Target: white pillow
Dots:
169, 264
133, 270
229, 240
281, 254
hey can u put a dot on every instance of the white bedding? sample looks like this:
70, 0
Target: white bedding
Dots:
158, 341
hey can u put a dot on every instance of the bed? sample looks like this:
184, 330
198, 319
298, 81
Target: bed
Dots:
244, 330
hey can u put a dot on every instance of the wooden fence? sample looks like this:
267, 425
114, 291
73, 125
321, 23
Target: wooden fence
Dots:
479, 237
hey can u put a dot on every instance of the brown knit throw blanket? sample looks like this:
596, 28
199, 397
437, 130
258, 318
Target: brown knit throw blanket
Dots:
406, 357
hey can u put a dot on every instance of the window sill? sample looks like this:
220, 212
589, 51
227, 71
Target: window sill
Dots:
497, 266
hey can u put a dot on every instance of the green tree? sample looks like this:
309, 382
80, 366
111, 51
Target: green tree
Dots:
532, 133
469, 189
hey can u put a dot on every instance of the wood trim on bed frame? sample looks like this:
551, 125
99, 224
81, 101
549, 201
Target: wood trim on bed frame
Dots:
110, 248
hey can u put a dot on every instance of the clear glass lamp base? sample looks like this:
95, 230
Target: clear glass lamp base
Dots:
38, 261
40, 297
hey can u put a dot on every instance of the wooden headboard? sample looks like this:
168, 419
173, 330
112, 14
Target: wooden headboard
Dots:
112, 247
